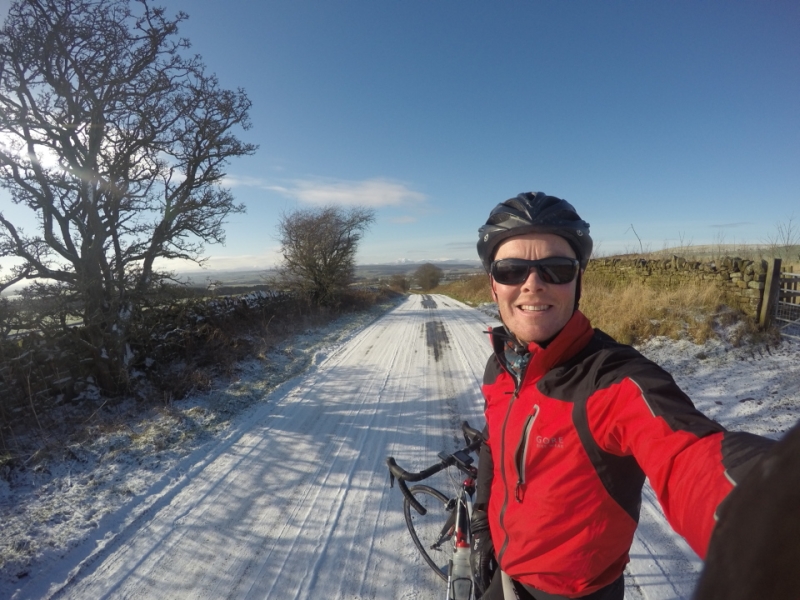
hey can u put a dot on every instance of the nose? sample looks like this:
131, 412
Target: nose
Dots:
533, 281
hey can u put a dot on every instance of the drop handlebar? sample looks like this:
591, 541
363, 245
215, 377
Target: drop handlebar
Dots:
459, 458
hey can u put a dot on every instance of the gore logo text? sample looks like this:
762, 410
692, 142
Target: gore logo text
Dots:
549, 442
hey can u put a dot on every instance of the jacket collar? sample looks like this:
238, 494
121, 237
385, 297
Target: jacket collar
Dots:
567, 343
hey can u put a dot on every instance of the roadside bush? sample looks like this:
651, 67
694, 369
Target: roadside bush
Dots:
47, 396
400, 283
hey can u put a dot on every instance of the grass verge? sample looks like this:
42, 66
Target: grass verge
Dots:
634, 312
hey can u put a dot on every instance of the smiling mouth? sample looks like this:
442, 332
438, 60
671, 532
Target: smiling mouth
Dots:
533, 307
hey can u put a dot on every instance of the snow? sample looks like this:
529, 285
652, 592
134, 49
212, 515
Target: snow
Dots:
273, 485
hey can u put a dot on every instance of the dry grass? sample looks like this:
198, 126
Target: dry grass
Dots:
634, 312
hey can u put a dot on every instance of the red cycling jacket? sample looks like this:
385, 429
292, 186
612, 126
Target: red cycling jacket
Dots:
569, 446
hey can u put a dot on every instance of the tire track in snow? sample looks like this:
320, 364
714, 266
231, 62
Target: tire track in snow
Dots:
343, 491
332, 465
389, 370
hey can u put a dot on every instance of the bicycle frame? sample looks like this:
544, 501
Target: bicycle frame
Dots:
459, 580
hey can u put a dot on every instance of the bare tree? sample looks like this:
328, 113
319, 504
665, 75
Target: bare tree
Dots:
719, 243
641, 247
319, 249
117, 142
785, 239
684, 243
428, 276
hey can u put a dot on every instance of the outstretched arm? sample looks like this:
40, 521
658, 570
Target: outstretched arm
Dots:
755, 548
691, 461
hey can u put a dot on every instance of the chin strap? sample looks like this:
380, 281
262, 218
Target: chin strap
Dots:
578, 289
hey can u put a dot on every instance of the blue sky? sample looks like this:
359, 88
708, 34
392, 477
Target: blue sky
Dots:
679, 118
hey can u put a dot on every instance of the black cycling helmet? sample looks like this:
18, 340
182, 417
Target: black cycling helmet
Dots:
534, 212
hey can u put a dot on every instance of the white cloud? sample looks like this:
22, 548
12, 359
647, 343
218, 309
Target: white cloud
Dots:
375, 193
232, 181
403, 220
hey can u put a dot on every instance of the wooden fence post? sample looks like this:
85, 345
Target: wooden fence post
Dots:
772, 288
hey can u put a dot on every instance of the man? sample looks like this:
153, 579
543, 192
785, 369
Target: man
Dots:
575, 421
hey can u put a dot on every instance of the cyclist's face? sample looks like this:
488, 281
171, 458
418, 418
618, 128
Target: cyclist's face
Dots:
534, 311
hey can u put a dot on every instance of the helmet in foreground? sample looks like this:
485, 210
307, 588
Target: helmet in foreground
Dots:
534, 212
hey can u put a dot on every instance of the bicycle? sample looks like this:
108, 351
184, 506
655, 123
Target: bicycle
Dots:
450, 542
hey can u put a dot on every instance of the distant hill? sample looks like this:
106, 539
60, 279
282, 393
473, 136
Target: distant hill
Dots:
236, 278
453, 269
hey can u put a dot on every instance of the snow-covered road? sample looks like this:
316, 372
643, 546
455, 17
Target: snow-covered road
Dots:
296, 503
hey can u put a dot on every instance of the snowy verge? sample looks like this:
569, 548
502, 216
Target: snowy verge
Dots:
74, 502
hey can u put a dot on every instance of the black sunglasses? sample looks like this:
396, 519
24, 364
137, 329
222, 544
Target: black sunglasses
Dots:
513, 271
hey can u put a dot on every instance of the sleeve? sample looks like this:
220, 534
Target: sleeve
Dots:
691, 461
485, 474
755, 549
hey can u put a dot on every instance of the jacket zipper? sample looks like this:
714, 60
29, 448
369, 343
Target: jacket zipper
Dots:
517, 388
522, 451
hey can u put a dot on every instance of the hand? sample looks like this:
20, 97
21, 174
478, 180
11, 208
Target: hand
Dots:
482, 558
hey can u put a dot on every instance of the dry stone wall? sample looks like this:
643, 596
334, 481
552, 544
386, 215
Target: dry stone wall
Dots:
741, 280
49, 371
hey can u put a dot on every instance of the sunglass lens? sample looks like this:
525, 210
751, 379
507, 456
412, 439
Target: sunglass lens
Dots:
557, 273
510, 273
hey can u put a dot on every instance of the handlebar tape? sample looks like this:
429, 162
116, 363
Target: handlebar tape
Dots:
399, 473
471, 435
